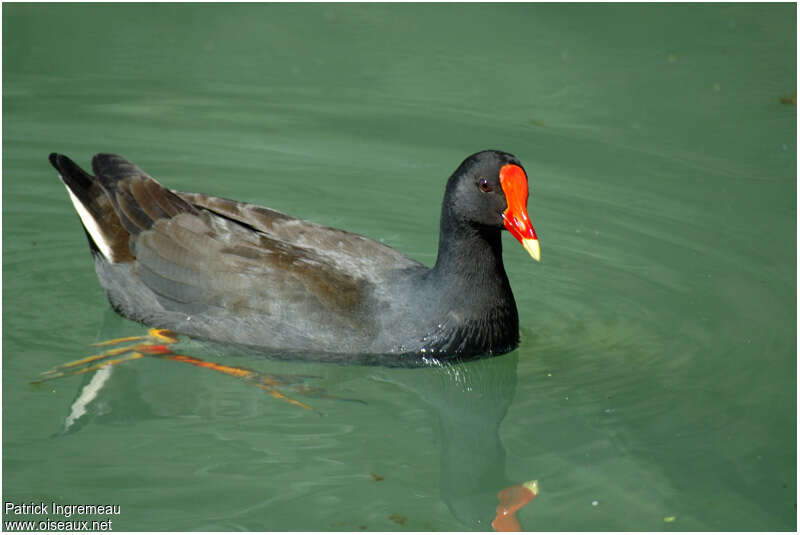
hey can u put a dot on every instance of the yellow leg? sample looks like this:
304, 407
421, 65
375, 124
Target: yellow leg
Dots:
92, 358
116, 341
267, 382
55, 373
155, 344
131, 356
163, 335
278, 395
80, 366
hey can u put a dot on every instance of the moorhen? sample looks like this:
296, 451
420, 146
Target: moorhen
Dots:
236, 273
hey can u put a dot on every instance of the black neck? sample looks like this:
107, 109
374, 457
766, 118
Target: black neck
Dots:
469, 273
469, 254
469, 288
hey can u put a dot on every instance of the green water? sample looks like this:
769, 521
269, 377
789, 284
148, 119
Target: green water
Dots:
655, 384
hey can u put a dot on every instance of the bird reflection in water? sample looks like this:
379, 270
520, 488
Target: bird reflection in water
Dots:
470, 400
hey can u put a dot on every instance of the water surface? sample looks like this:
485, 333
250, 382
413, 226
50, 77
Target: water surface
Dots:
655, 384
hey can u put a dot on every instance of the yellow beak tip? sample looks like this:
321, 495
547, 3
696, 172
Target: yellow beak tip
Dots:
532, 246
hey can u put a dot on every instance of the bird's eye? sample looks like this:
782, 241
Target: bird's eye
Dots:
484, 185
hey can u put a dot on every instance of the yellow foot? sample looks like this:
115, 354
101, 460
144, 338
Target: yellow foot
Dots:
155, 335
265, 381
112, 356
125, 354
155, 344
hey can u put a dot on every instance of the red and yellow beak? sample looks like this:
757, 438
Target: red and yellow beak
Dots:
515, 186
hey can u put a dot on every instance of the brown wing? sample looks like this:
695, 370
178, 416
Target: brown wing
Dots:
197, 259
349, 251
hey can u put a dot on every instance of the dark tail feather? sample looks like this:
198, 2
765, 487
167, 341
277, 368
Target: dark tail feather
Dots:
138, 199
102, 225
75, 178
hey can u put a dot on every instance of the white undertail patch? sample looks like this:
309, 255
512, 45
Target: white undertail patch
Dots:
91, 226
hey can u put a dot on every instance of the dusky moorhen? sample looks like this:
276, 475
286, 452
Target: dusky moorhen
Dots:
237, 273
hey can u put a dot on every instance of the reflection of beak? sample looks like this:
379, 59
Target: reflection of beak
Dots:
515, 186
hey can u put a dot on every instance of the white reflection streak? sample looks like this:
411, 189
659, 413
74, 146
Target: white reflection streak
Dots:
87, 395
